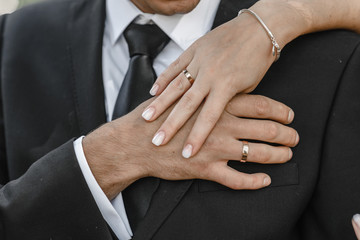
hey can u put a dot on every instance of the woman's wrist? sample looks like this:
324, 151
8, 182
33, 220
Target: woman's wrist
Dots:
286, 19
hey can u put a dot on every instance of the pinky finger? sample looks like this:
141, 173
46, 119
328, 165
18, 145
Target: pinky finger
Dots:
236, 180
171, 72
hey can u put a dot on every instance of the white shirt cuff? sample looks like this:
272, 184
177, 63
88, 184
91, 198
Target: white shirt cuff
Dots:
113, 212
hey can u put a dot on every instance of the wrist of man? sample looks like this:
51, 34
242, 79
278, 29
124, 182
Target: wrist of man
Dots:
112, 168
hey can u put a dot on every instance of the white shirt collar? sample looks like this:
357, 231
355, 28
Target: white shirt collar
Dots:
183, 29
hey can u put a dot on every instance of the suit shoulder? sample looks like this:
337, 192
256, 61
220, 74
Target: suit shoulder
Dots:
45, 14
335, 46
42, 12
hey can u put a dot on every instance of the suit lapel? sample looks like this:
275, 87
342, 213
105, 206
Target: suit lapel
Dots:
170, 193
86, 27
166, 198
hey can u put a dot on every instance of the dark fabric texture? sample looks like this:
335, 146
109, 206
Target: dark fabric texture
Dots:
51, 92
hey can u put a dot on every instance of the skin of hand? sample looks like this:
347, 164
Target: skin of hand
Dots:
356, 225
233, 58
120, 152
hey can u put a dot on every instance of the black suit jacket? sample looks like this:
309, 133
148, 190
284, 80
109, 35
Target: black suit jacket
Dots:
51, 92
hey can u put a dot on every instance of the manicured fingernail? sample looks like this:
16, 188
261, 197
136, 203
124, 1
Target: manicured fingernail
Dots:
291, 115
356, 219
158, 138
148, 113
267, 181
154, 89
187, 151
290, 153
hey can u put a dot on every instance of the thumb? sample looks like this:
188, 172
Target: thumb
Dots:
236, 180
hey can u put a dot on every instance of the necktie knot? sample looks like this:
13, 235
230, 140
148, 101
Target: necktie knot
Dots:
146, 39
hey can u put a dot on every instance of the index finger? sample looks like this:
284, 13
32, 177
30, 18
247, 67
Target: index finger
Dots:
172, 71
205, 122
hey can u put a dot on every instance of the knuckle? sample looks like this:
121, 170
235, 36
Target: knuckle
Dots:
225, 121
210, 143
164, 76
211, 118
236, 185
174, 65
219, 144
214, 144
290, 137
262, 155
271, 130
178, 83
262, 106
188, 103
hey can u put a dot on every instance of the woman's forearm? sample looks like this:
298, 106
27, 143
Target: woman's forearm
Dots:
288, 19
333, 14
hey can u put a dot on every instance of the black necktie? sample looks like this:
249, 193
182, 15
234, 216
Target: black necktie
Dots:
145, 42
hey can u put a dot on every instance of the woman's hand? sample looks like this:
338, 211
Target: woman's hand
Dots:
231, 59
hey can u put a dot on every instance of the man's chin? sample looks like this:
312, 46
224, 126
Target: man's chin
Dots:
166, 7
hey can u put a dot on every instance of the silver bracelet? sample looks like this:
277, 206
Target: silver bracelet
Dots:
276, 50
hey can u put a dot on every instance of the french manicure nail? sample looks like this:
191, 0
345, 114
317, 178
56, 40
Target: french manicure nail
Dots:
154, 89
158, 138
356, 219
267, 181
291, 115
148, 113
187, 151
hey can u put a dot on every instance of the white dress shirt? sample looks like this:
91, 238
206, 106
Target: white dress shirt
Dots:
183, 30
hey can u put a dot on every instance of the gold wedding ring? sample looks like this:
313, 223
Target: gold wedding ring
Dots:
245, 151
189, 77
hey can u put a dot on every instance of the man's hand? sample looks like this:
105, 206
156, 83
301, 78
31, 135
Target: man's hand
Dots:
121, 151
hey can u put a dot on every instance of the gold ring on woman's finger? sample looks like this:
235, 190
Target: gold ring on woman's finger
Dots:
189, 77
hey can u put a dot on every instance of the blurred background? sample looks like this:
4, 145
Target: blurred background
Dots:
8, 6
